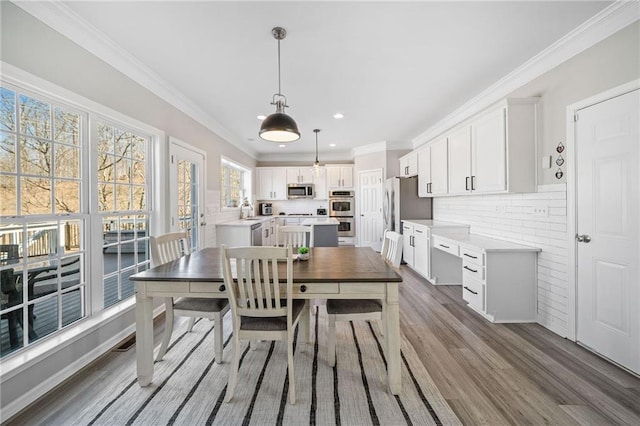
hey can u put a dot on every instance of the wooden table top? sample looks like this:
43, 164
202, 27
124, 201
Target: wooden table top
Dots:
325, 264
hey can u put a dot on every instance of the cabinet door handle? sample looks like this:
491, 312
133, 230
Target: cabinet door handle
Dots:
430, 188
442, 245
222, 288
418, 231
470, 291
469, 269
473, 183
466, 183
468, 255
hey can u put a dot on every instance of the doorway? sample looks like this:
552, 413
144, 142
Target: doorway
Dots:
370, 202
607, 227
187, 191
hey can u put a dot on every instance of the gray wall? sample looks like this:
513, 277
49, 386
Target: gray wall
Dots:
610, 63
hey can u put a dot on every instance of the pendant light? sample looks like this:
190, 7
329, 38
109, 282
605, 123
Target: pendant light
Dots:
279, 127
316, 164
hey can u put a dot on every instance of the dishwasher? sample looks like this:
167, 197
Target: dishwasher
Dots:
256, 234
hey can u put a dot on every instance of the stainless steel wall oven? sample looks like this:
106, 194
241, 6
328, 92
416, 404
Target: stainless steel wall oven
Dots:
342, 207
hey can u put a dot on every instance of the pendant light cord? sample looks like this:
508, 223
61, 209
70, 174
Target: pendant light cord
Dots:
279, 88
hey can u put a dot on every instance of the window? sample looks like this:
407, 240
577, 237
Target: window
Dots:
50, 199
235, 183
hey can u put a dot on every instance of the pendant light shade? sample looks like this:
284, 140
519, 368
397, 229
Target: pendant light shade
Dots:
279, 127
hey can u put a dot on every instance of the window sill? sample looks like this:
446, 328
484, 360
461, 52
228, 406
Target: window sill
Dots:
40, 351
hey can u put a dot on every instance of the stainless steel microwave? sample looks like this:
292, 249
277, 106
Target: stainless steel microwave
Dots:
299, 190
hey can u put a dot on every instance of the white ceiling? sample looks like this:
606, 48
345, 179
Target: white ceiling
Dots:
393, 69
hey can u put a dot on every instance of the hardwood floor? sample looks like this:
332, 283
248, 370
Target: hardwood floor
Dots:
489, 373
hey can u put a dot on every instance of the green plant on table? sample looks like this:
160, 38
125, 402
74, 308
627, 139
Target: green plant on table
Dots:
303, 250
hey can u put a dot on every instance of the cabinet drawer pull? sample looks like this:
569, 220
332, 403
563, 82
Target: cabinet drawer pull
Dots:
466, 183
222, 288
468, 255
473, 183
469, 269
470, 291
303, 288
418, 231
442, 245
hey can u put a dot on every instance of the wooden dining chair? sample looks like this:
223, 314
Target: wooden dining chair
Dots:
172, 246
294, 235
366, 309
258, 312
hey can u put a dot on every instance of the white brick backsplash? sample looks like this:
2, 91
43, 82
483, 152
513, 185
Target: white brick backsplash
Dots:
510, 217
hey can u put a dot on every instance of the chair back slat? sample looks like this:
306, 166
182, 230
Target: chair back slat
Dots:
168, 247
256, 291
392, 248
294, 235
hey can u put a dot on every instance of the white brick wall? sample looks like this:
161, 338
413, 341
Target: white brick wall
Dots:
511, 217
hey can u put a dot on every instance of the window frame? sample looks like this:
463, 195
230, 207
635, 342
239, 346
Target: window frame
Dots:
247, 179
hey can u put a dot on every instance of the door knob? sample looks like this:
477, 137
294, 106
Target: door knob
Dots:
584, 238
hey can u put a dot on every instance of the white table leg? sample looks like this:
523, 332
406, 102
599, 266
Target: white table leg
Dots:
305, 323
144, 337
392, 338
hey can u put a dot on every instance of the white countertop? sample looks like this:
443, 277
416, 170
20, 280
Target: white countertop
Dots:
262, 219
435, 223
320, 221
484, 243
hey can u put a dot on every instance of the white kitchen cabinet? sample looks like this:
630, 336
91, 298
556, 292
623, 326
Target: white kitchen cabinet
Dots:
299, 175
269, 232
418, 251
409, 164
340, 176
271, 183
496, 152
432, 169
498, 277
320, 184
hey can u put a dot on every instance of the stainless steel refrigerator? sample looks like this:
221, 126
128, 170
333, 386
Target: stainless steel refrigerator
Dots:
401, 201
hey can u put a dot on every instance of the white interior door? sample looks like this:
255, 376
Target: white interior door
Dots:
187, 192
608, 226
370, 201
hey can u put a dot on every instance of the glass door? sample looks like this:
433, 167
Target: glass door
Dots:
187, 192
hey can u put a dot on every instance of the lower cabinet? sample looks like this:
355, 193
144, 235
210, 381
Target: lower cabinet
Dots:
498, 277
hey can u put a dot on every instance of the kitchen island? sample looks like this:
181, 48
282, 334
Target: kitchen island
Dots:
324, 230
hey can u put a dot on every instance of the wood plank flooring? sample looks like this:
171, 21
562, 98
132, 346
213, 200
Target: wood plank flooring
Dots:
489, 373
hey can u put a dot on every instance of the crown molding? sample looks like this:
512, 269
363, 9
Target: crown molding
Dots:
62, 19
328, 156
369, 149
602, 25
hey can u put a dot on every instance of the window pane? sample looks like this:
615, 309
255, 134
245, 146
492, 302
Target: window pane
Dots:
72, 306
139, 148
36, 196
35, 117
67, 161
123, 197
43, 279
66, 127
8, 206
35, 156
139, 199
42, 240
123, 142
46, 318
106, 168
11, 335
7, 152
7, 109
106, 200
139, 172
11, 281
72, 236
67, 196
123, 170
110, 290
128, 287
105, 139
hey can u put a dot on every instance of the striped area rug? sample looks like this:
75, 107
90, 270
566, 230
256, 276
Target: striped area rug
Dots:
188, 386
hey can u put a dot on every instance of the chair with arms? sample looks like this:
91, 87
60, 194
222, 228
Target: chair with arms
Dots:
294, 235
368, 309
172, 246
258, 312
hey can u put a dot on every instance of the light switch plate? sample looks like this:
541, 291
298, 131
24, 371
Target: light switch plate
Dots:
546, 162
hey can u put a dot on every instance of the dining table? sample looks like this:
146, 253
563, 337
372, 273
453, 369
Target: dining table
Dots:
345, 272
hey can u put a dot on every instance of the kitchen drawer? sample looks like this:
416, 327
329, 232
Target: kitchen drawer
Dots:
316, 288
473, 292
472, 270
446, 245
208, 287
472, 255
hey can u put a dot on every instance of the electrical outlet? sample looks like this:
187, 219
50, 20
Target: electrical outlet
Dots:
541, 209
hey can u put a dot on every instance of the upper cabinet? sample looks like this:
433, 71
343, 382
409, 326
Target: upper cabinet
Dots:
272, 183
409, 164
299, 175
320, 184
340, 177
494, 152
432, 169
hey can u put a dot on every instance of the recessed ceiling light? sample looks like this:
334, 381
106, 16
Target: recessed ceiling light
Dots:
262, 117
332, 145
338, 115
281, 146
